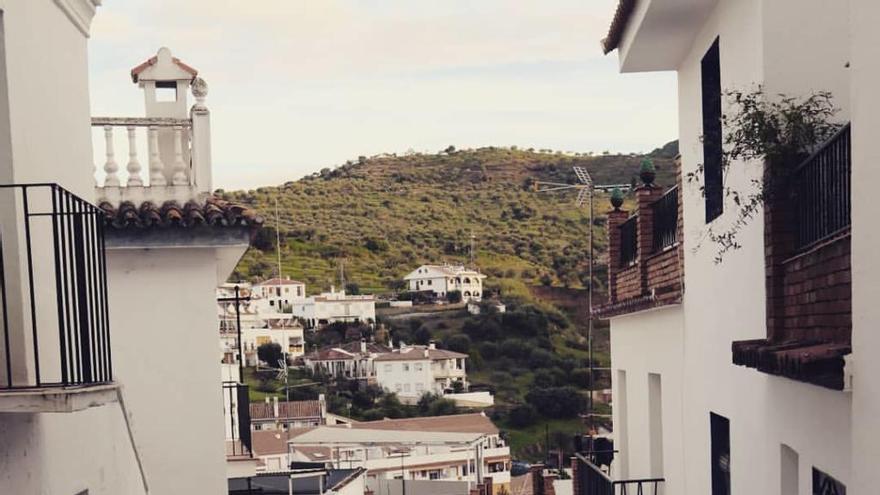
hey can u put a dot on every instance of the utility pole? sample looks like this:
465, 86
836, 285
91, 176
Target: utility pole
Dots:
278, 237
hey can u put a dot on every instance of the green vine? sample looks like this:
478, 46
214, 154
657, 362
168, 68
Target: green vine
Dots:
779, 131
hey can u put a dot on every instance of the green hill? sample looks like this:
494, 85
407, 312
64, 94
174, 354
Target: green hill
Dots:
382, 216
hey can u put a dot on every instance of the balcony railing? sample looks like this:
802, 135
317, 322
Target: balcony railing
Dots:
821, 188
166, 159
665, 211
629, 241
236, 405
591, 480
53, 289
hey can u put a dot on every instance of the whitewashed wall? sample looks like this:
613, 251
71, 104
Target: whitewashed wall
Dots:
388, 379
865, 74
164, 321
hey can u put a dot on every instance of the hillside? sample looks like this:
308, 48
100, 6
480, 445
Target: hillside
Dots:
382, 216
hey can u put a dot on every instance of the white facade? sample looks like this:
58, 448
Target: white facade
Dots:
442, 279
278, 294
257, 328
335, 306
671, 367
412, 371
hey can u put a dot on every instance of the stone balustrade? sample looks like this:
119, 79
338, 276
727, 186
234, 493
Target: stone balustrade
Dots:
166, 159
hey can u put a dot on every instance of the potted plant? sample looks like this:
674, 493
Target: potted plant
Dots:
647, 172
616, 198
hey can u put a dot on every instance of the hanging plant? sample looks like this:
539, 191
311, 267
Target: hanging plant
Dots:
780, 132
647, 172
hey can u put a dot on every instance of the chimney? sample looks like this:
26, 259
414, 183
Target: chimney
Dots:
275, 406
322, 405
432, 345
363, 346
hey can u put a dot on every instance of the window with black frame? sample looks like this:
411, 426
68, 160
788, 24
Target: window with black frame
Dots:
720, 454
713, 181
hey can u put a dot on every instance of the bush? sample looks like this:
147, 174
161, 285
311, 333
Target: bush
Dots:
556, 402
522, 415
489, 350
515, 348
270, 353
453, 296
580, 377
458, 343
422, 336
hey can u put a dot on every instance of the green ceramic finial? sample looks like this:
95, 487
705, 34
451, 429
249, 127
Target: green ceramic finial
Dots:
616, 198
647, 172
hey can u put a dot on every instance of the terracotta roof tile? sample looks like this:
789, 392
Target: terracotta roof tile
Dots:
345, 351
152, 61
214, 212
618, 24
286, 410
279, 281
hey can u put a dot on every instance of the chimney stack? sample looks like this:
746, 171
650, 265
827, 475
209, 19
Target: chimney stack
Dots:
363, 346
432, 345
275, 406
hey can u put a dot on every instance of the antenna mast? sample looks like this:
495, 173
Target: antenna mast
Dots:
278, 237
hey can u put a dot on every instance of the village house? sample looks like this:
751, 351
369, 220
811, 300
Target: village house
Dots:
257, 328
753, 374
457, 451
273, 414
335, 306
440, 280
98, 300
278, 295
411, 371
352, 360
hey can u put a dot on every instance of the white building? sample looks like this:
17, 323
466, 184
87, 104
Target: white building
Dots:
352, 360
257, 328
335, 306
412, 371
443, 279
278, 294
760, 377
97, 303
465, 448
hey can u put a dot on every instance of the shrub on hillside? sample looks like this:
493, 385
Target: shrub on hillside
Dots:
521, 416
556, 402
458, 343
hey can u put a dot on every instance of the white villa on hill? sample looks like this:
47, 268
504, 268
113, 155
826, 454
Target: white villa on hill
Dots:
758, 374
410, 371
442, 279
335, 306
278, 294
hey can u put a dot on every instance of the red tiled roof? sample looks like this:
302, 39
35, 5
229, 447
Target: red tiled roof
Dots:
214, 212
618, 25
268, 442
455, 423
418, 353
286, 410
152, 61
345, 351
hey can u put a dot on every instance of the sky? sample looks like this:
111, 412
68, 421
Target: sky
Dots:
296, 85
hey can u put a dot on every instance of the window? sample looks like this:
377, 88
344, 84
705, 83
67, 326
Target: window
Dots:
826, 485
420, 387
397, 387
719, 427
166, 91
710, 72
405, 366
655, 416
788, 471
387, 368
429, 282
406, 387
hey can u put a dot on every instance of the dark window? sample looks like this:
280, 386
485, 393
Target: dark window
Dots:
826, 485
720, 452
712, 135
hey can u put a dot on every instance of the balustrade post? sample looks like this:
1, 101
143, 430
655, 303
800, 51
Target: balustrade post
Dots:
179, 178
111, 179
157, 177
133, 167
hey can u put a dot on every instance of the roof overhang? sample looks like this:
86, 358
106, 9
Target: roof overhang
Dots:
655, 35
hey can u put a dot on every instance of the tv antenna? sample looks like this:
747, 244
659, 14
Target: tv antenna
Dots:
585, 188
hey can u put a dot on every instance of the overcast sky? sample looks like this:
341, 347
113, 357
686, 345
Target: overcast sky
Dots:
299, 85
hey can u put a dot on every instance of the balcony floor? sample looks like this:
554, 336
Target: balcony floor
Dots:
56, 399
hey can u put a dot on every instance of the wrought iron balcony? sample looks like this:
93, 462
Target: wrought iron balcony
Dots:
53, 289
590, 479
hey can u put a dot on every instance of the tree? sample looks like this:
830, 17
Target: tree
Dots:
556, 402
458, 343
270, 353
352, 288
422, 336
522, 415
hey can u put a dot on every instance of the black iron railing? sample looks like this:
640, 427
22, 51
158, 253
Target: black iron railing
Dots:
593, 481
53, 289
665, 212
237, 406
821, 188
628, 241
